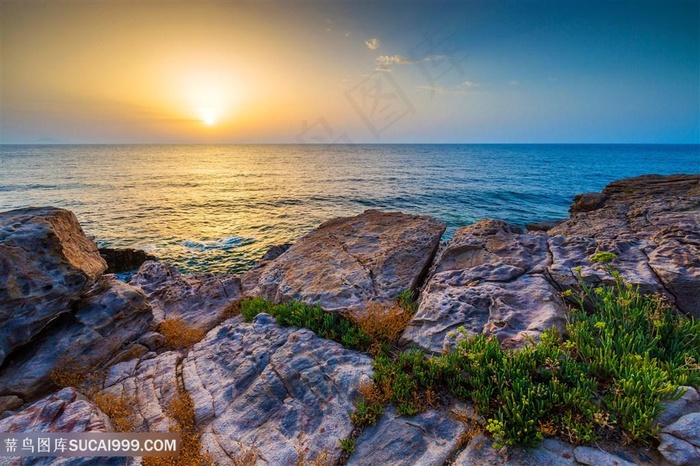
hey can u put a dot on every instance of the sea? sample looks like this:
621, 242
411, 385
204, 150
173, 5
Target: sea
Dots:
218, 208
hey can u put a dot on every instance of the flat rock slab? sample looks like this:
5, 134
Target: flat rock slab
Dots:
349, 262
490, 279
427, 439
46, 262
198, 300
480, 451
108, 318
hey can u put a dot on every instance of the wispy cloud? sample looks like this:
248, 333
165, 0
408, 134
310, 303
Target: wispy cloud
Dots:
373, 43
514, 82
435, 58
394, 60
384, 68
460, 88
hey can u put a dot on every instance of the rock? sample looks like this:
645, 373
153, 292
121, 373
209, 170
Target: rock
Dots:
124, 259
543, 226
596, 457
280, 389
428, 438
9, 402
491, 279
46, 263
480, 451
349, 262
588, 202
108, 318
151, 384
686, 428
688, 403
201, 301
678, 452
258, 384
655, 222
275, 251
63, 411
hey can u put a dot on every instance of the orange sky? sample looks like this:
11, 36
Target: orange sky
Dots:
155, 71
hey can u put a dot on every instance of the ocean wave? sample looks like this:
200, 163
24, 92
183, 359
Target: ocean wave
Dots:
231, 242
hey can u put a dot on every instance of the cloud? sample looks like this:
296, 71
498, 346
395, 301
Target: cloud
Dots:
514, 82
460, 88
383, 68
394, 60
435, 57
373, 43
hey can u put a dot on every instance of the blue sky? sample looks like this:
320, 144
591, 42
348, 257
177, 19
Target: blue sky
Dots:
500, 72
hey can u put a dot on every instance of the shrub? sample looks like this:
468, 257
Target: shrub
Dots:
384, 324
607, 378
178, 334
331, 325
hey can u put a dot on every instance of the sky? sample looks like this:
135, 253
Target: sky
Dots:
363, 72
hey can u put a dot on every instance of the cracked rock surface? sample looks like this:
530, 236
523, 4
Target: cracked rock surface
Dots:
349, 262
494, 278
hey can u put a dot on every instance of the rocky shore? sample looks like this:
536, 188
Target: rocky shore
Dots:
289, 393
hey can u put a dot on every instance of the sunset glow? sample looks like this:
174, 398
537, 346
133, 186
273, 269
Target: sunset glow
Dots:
239, 72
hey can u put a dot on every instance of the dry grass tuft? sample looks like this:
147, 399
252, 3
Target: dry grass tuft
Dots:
181, 411
119, 409
245, 456
384, 324
231, 310
178, 334
472, 427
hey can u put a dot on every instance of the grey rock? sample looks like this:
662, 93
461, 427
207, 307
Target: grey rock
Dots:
199, 300
596, 457
491, 279
654, 221
64, 411
688, 403
46, 263
480, 452
10, 402
678, 452
686, 428
347, 263
588, 202
110, 316
124, 259
428, 438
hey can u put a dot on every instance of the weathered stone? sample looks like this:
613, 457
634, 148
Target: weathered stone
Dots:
654, 221
124, 259
150, 385
109, 317
596, 457
686, 428
588, 202
543, 226
65, 411
9, 402
46, 263
678, 452
347, 263
428, 438
480, 451
688, 403
199, 300
279, 389
490, 279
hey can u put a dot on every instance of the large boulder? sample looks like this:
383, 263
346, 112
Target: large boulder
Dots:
46, 263
282, 391
201, 301
106, 321
652, 222
349, 262
490, 279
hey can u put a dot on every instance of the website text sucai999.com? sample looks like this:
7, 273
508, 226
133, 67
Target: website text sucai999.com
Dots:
89, 444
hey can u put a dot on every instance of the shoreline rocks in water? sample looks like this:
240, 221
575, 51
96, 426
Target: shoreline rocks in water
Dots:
287, 391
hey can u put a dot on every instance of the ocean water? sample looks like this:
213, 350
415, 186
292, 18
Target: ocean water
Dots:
218, 208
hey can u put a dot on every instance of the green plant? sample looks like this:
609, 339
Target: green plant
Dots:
348, 445
330, 325
624, 352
